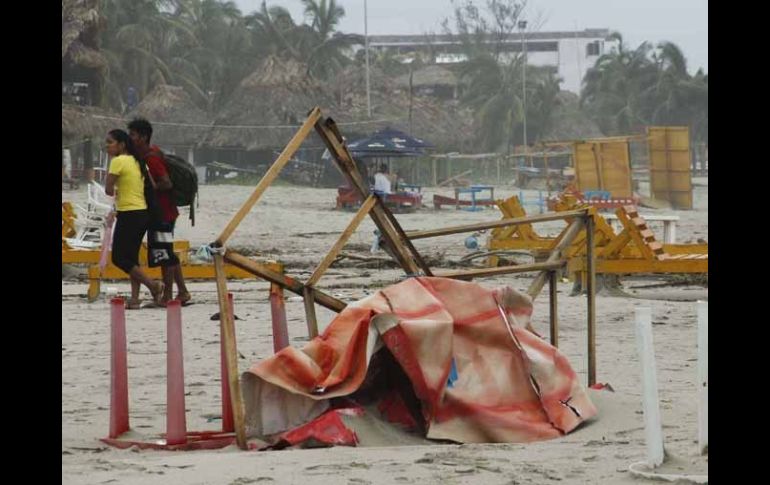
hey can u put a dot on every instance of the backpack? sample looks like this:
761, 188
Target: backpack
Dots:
184, 181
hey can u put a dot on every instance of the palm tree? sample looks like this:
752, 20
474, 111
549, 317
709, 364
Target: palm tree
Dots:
615, 88
136, 40
324, 16
542, 100
316, 44
494, 93
627, 89
221, 54
274, 31
327, 54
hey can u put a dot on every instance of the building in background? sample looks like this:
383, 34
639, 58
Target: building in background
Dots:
570, 53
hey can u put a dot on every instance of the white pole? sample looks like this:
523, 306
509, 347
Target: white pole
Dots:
366, 45
523, 26
650, 404
524, 84
703, 377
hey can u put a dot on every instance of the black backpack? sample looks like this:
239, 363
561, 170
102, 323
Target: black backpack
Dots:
184, 181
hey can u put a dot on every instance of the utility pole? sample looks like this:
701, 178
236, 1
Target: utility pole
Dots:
366, 47
523, 27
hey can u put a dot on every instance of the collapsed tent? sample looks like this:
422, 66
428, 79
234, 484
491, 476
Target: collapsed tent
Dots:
450, 360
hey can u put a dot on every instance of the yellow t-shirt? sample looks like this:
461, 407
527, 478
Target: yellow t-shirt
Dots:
130, 183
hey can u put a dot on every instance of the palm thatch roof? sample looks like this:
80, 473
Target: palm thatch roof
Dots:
443, 123
431, 75
80, 24
81, 122
267, 106
171, 111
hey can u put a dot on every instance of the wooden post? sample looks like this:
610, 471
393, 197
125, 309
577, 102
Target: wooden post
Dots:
118, 369
435, 174
402, 237
282, 280
513, 221
327, 130
88, 161
176, 422
227, 329
312, 322
569, 235
271, 175
652, 426
703, 377
352, 226
278, 314
591, 298
554, 315
547, 174
469, 274
228, 425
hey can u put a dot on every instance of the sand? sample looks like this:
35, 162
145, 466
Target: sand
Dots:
297, 225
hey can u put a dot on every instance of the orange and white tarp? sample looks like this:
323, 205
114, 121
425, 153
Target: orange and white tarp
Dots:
468, 369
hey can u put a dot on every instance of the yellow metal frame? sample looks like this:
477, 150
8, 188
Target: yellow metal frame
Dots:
189, 271
633, 250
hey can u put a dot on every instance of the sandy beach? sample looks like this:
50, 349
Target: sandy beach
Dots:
297, 225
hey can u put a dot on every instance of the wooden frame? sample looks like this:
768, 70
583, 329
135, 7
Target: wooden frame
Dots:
398, 242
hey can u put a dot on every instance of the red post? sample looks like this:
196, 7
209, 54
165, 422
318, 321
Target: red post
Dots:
278, 311
228, 424
118, 369
176, 425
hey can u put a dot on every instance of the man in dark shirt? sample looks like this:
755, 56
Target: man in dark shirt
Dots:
160, 239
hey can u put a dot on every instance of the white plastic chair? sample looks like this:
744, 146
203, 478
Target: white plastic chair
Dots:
91, 219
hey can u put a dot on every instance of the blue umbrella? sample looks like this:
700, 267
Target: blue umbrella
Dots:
388, 143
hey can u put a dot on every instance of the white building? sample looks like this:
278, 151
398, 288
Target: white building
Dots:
571, 53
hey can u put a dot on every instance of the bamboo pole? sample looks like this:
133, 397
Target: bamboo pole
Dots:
330, 136
227, 326
591, 298
271, 175
332, 254
282, 280
568, 236
312, 321
482, 272
554, 316
556, 216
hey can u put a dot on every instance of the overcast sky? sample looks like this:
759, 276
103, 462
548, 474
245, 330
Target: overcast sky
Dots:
684, 22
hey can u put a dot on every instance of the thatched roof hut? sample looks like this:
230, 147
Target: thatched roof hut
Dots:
175, 118
80, 23
80, 56
79, 123
440, 122
267, 106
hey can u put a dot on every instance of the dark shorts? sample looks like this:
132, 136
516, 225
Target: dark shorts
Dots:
160, 245
127, 238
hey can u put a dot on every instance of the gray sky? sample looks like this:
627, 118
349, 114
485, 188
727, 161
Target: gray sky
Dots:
684, 22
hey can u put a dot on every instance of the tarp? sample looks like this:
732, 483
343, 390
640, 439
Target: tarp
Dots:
450, 359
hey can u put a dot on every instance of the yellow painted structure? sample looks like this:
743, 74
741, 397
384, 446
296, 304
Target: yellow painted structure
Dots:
670, 165
633, 250
603, 164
